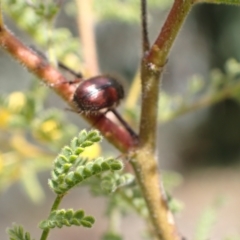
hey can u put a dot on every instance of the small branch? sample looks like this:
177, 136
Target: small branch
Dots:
54, 207
152, 66
145, 39
1, 18
145, 165
161, 48
205, 101
231, 2
86, 31
115, 134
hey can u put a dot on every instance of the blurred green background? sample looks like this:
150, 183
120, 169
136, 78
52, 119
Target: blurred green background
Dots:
203, 144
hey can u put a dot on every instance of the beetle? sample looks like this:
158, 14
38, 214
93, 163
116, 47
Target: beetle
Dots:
98, 93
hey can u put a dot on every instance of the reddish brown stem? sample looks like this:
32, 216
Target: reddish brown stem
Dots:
145, 165
115, 134
161, 47
145, 39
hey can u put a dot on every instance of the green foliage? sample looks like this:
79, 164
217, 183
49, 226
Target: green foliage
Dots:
174, 204
17, 233
207, 220
231, 2
62, 217
221, 85
129, 198
29, 138
48, 127
128, 11
25, 111
47, 10
111, 236
37, 20
70, 169
237, 237
111, 182
170, 181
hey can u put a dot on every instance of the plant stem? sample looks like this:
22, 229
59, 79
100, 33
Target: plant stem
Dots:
145, 40
160, 49
145, 164
54, 207
1, 18
86, 31
231, 2
117, 135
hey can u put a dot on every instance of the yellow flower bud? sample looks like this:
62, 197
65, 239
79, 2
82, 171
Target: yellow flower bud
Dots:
16, 101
